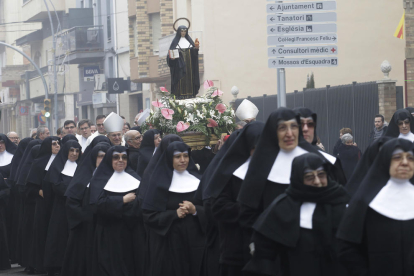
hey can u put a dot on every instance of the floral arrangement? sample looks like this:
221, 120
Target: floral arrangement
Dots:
206, 114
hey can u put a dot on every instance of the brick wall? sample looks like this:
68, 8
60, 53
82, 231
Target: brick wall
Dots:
409, 52
144, 38
386, 99
167, 21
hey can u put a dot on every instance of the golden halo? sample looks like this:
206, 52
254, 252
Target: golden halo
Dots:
182, 18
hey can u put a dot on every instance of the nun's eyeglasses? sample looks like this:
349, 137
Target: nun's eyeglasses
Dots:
117, 157
309, 124
55, 143
310, 177
74, 150
406, 121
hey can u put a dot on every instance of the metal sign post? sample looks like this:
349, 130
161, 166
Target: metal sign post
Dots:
296, 24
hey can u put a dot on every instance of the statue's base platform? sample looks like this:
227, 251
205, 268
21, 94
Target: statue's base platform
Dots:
198, 141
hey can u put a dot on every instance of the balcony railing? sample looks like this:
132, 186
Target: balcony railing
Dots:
87, 38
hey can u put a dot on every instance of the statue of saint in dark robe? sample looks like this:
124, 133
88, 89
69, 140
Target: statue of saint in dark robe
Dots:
185, 79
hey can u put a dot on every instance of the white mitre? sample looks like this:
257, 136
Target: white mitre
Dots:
247, 110
144, 115
113, 123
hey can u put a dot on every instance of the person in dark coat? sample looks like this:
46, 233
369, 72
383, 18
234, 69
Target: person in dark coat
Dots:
78, 255
25, 234
379, 130
59, 175
176, 223
16, 214
47, 153
4, 248
203, 158
149, 144
113, 190
348, 154
364, 164
300, 225
376, 230
224, 188
133, 139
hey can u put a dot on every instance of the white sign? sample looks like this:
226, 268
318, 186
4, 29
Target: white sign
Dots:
298, 29
303, 62
301, 17
301, 6
302, 51
302, 39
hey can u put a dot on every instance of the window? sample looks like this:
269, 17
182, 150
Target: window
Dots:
111, 67
135, 30
156, 31
108, 20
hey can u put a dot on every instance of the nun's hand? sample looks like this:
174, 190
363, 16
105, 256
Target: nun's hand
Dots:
129, 197
182, 212
189, 206
41, 193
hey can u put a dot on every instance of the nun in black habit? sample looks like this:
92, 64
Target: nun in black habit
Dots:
47, 153
113, 190
401, 125
268, 174
311, 136
7, 150
168, 139
59, 175
4, 248
376, 232
185, 79
78, 255
212, 254
301, 224
147, 150
224, 187
29, 195
176, 225
364, 164
98, 139
17, 212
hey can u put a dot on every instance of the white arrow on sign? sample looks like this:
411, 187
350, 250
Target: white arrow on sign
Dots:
297, 29
302, 62
302, 51
301, 6
301, 17
302, 39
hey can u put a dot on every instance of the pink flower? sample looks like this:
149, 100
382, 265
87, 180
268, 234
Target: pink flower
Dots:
212, 123
181, 126
157, 104
208, 84
167, 113
217, 93
163, 89
221, 108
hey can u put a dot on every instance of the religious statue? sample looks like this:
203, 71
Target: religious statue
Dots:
182, 59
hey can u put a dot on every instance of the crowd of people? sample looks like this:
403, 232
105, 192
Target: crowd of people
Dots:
103, 198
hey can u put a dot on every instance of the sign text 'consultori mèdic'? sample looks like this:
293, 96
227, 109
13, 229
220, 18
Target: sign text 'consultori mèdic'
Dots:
303, 51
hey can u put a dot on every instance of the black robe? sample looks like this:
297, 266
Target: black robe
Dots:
234, 243
133, 154
386, 250
58, 230
114, 244
171, 238
349, 156
179, 68
78, 255
4, 249
202, 158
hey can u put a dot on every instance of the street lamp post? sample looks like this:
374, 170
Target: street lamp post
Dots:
55, 110
35, 66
